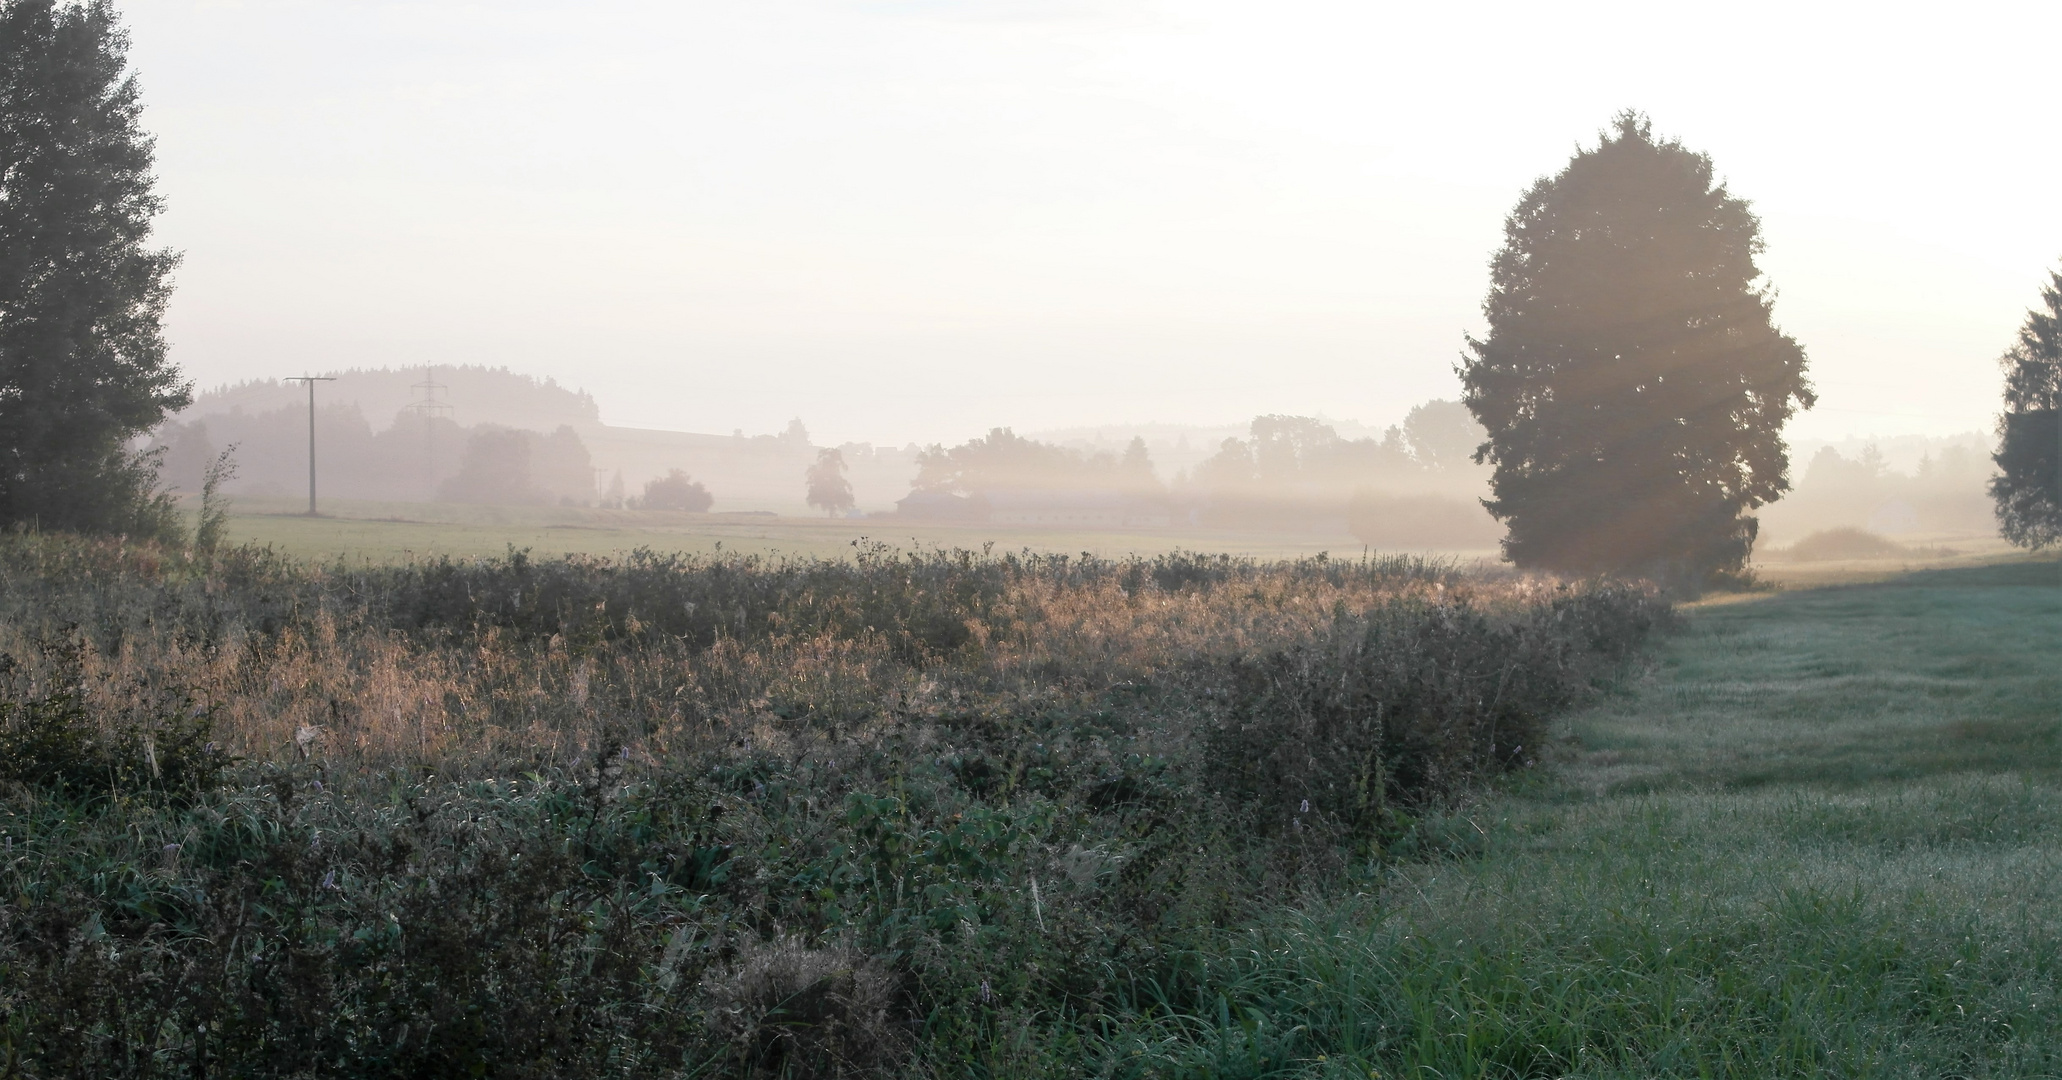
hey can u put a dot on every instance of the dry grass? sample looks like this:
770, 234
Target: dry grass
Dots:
307, 663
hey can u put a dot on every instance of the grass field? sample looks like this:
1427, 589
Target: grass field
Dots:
1822, 838
1817, 833
382, 532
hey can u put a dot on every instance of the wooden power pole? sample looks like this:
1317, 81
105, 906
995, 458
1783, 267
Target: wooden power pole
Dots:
311, 380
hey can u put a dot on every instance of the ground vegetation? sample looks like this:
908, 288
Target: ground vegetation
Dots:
901, 813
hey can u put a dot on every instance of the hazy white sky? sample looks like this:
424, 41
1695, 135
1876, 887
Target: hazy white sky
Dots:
915, 220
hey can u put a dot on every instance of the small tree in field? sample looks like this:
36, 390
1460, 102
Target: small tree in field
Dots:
82, 295
829, 491
1633, 383
676, 491
2028, 489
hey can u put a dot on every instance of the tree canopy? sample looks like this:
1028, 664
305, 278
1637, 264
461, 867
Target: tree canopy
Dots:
2028, 489
1633, 383
676, 491
82, 293
828, 490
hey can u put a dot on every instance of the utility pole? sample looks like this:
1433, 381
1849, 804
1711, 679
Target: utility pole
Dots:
311, 380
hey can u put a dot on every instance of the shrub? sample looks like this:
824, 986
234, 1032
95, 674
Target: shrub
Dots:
676, 491
790, 1010
1411, 701
51, 740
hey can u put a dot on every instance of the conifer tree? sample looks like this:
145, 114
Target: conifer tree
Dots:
82, 293
2028, 488
1633, 383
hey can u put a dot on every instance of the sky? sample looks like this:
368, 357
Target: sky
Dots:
912, 220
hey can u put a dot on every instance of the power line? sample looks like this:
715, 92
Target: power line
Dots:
428, 410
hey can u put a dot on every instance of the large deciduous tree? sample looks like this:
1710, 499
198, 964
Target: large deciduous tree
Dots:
82, 293
1633, 383
828, 490
2028, 489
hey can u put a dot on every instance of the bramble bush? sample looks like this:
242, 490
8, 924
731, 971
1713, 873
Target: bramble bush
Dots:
668, 815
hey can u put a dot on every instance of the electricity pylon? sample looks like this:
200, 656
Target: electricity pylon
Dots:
428, 410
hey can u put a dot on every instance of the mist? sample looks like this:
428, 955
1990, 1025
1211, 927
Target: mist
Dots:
490, 436
909, 223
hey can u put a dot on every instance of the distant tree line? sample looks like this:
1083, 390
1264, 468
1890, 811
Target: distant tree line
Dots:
1944, 492
1004, 460
414, 460
1416, 486
1626, 402
506, 467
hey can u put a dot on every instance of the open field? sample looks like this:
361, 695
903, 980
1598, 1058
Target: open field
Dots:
939, 814
382, 532
1823, 837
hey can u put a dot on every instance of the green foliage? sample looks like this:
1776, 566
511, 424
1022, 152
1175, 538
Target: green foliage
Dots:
2028, 489
1408, 703
52, 742
82, 358
1633, 383
214, 505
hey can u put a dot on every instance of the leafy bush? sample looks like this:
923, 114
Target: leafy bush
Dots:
1409, 702
51, 740
676, 491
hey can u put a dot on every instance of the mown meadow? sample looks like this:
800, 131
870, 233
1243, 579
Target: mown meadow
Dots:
1822, 837
963, 814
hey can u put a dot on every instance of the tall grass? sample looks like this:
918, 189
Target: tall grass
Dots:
673, 815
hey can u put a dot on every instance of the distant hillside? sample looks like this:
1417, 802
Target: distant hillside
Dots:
475, 394
375, 447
